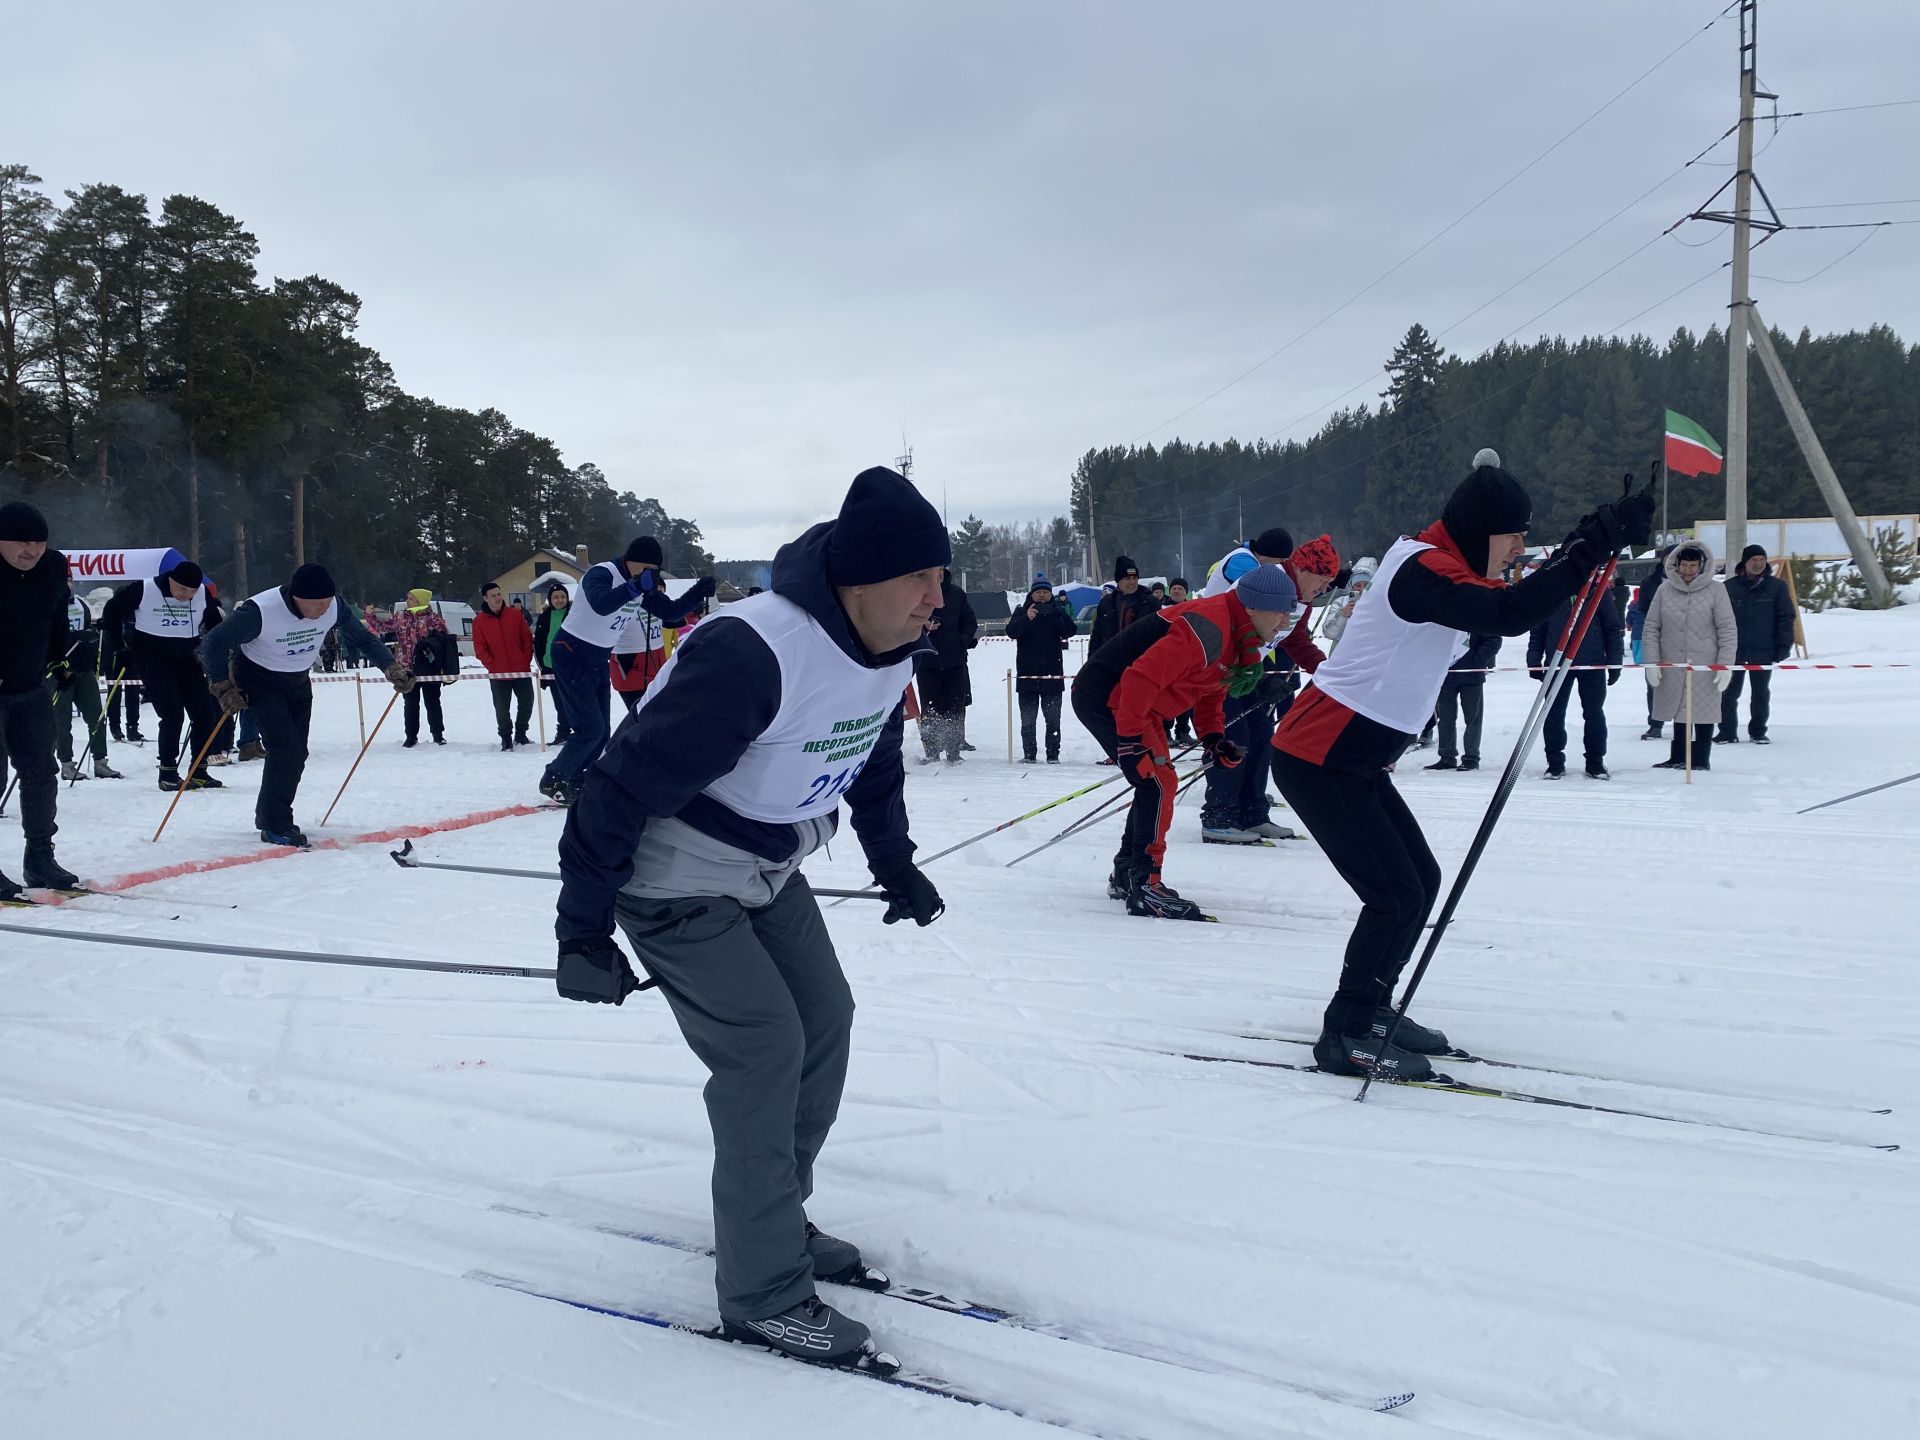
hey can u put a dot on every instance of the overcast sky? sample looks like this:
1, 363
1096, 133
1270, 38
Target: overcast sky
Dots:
731, 252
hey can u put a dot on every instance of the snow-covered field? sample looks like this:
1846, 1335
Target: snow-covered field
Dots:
242, 1197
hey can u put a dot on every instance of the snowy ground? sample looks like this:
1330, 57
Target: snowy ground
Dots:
240, 1197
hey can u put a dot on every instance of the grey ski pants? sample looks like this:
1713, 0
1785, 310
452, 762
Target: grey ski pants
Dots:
761, 1000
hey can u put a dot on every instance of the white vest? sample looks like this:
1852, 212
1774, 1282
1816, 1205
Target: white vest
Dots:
76, 615
1217, 582
1386, 668
165, 618
643, 634
288, 641
832, 710
593, 629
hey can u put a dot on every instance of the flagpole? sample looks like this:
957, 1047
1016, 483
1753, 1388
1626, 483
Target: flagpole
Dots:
1666, 523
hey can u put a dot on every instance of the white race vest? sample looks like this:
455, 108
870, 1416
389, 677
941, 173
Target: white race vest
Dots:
165, 618
832, 710
76, 615
1217, 582
642, 635
602, 630
1386, 668
288, 641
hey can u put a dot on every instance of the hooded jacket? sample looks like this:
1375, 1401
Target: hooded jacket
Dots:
719, 693
1763, 610
1690, 622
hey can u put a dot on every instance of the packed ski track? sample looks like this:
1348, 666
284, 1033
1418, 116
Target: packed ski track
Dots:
259, 1197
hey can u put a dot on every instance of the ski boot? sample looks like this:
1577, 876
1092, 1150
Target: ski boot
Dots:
838, 1261
43, 872
811, 1330
1410, 1035
288, 834
9, 888
1359, 1055
1153, 899
169, 779
104, 771
203, 781
1227, 835
1117, 884
1267, 830
71, 772
1597, 770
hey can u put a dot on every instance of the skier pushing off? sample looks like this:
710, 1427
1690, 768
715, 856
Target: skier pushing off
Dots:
1333, 752
690, 832
1137, 684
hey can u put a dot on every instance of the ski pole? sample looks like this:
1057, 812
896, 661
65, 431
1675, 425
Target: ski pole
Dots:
1585, 607
212, 735
94, 729
312, 957
358, 758
404, 858
1102, 812
1854, 796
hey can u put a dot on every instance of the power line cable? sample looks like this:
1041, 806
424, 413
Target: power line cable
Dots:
1444, 231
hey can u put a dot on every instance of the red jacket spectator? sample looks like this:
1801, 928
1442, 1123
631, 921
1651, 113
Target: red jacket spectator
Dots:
503, 642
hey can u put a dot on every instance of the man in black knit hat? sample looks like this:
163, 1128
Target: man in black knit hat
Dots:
1763, 610
33, 641
1334, 751
689, 833
1127, 602
162, 618
610, 596
261, 654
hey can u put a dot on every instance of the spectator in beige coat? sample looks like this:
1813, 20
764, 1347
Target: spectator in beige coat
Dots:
1691, 622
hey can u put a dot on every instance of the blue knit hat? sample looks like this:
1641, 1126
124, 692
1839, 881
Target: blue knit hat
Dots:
1267, 587
886, 528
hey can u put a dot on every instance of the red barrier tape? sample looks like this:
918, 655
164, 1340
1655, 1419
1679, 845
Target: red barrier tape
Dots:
276, 852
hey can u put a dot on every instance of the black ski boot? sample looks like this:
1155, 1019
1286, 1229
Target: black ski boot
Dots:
1155, 900
9, 888
812, 1330
1117, 884
43, 872
1597, 770
286, 835
506, 742
1357, 1054
838, 1261
169, 779
1410, 1035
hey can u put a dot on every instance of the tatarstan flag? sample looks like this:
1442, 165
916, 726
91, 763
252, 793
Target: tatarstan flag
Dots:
1690, 450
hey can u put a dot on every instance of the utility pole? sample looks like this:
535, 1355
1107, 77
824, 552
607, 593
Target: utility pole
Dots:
1744, 325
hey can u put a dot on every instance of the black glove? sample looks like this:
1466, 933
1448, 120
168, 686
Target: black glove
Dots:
1343, 579
703, 589
594, 970
1274, 687
1133, 750
61, 673
1221, 751
910, 895
1613, 676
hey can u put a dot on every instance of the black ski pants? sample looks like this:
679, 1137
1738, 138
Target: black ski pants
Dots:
1593, 712
428, 692
1371, 837
1032, 707
512, 692
176, 687
1762, 681
282, 706
1143, 841
26, 738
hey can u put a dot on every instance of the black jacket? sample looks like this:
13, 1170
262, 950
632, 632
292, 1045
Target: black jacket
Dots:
1764, 612
1603, 644
1118, 611
957, 631
33, 621
1470, 669
1038, 646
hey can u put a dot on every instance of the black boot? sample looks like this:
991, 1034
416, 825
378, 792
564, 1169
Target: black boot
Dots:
811, 1330
1358, 1054
506, 742
43, 872
1410, 1034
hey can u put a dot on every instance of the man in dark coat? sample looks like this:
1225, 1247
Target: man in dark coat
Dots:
1127, 602
1040, 631
1463, 692
1763, 610
33, 662
946, 689
1604, 645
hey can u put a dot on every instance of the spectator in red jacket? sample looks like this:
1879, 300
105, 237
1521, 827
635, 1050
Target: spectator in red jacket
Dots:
503, 642
1138, 683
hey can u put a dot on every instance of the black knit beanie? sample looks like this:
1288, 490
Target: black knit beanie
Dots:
885, 529
1488, 502
1274, 544
312, 582
20, 521
1122, 564
186, 573
1751, 551
645, 550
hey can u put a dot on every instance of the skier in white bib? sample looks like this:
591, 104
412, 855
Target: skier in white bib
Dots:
689, 833
261, 654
